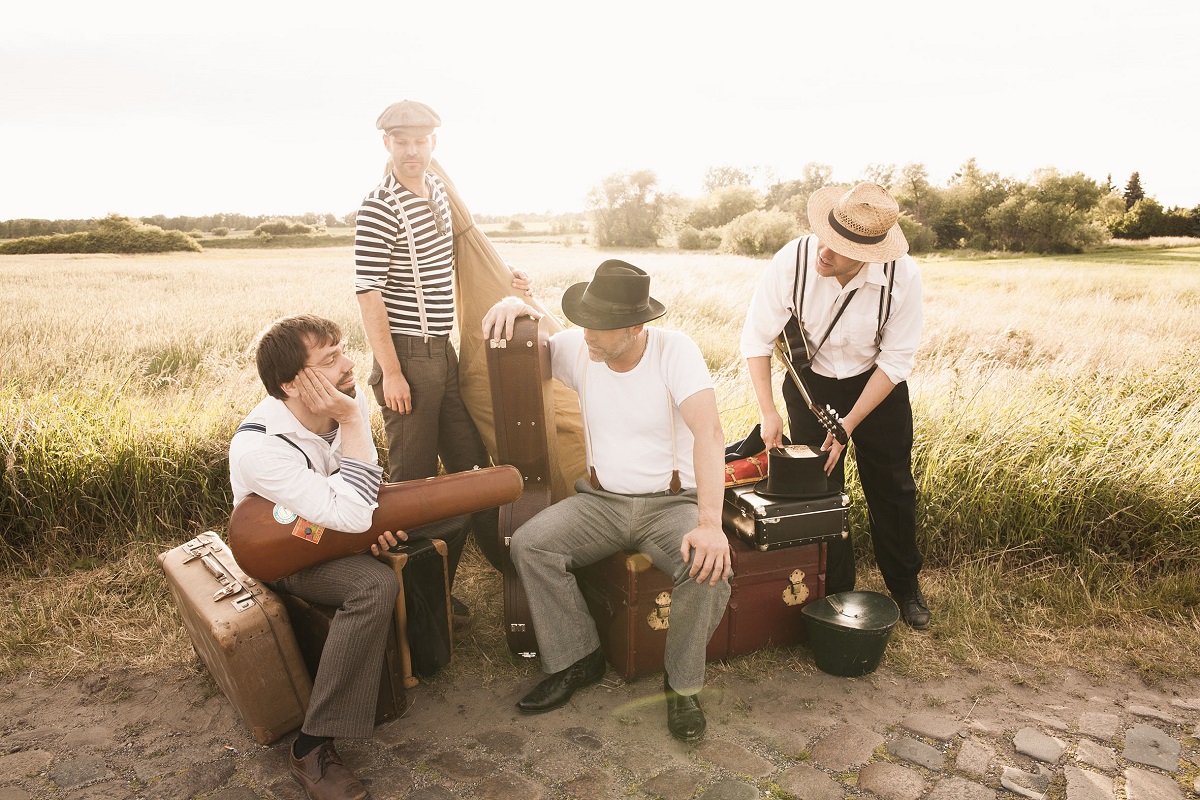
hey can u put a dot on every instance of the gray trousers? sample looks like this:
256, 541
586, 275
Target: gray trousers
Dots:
438, 425
589, 526
346, 689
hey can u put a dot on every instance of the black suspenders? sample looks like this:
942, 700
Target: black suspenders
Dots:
255, 427
801, 279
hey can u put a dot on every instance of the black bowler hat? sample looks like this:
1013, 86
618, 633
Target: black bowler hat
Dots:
796, 471
617, 296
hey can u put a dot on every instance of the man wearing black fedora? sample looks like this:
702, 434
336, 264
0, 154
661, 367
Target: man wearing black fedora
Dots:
655, 454
856, 296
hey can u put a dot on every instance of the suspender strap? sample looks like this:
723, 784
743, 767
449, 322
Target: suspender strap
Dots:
402, 217
885, 300
258, 427
800, 280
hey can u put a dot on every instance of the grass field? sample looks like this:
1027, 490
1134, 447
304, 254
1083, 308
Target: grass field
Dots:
1057, 456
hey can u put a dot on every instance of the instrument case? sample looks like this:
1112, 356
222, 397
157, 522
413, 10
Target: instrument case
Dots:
241, 632
522, 404
770, 523
423, 616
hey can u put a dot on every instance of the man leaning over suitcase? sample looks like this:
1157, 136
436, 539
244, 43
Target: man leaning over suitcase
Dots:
656, 475
308, 448
856, 292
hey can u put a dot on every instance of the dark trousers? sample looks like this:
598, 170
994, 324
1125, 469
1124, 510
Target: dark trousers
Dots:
439, 425
883, 454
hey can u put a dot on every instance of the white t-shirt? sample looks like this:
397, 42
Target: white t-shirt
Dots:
628, 415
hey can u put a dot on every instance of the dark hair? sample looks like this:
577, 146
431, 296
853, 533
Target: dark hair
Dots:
281, 350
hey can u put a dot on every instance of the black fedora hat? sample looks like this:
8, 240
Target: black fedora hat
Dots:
617, 296
796, 472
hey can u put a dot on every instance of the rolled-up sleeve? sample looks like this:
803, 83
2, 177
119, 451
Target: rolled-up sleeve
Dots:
770, 306
902, 331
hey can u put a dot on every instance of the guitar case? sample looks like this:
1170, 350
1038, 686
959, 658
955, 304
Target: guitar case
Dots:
523, 407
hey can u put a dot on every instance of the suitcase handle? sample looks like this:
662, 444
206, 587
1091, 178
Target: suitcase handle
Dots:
214, 566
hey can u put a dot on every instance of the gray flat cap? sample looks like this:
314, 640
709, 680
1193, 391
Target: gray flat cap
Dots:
408, 114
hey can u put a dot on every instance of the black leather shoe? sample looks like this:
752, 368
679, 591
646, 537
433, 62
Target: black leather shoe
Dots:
913, 609
685, 718
557, 689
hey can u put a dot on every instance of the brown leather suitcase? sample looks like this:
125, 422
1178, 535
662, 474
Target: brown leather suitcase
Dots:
522, 403
241, 632
422, 561
630, 601
769, 589
311, 622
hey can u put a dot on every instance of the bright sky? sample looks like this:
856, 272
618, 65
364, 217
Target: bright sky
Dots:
264, 107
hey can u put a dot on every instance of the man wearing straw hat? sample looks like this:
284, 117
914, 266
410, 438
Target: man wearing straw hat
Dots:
856, 295
655, 455
404, 279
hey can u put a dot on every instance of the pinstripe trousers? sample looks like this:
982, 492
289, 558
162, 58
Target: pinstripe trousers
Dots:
590, 525
346, 689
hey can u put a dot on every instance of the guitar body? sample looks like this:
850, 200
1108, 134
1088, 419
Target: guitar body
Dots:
269, 542
523, 405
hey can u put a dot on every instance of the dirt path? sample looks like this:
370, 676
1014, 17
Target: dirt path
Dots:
808, 735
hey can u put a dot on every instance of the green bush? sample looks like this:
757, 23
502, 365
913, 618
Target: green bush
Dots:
692, 239
921, 239
281, 227
724, 206
113, 234
220, 231
759, 233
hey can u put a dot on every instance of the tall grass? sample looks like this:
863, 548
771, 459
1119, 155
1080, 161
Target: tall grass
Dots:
1056, 401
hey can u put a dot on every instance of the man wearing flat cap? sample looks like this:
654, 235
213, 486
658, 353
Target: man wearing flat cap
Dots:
404, 280
655, 454
855, 294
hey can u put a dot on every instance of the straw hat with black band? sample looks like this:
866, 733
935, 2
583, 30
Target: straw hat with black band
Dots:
617, 296
860, 223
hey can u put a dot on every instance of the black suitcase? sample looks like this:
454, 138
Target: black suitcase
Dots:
423, 615
766, 524
311, 623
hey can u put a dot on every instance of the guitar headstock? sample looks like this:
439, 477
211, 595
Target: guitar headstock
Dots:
829, 418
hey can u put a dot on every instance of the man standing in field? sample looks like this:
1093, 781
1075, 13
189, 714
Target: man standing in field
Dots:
307, 446
856, 296
656, 466
404, 280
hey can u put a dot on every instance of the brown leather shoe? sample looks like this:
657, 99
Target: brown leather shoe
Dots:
324, 776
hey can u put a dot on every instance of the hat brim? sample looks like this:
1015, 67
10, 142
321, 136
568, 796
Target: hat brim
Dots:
760, 488
893, 246
574, 310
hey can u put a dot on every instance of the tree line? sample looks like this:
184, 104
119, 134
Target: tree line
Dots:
18, 228
975, 209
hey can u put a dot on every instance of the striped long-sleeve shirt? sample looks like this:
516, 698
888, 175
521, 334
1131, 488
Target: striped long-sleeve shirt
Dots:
393, 224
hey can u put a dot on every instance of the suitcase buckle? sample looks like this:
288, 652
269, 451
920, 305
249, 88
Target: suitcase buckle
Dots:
225, 591
240, 604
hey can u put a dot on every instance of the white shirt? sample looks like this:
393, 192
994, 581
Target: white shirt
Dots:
629, 415
337, 492
851, 348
